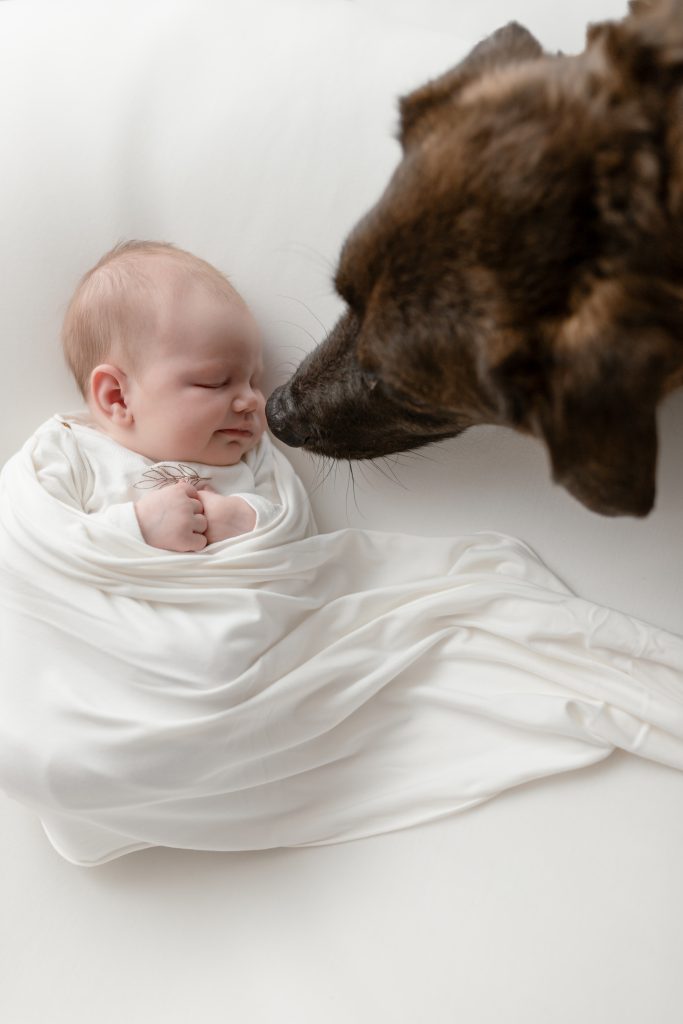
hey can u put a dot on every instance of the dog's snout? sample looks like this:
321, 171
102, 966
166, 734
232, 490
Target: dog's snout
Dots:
281, 416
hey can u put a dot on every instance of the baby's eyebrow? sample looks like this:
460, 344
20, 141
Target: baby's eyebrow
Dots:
214, 365
220, 366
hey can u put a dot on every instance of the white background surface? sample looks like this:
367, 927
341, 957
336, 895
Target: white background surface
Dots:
255, 134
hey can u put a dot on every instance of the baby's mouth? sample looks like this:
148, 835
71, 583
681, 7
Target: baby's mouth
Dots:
236, 432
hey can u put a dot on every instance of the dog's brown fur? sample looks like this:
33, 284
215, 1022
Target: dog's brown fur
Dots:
523, 267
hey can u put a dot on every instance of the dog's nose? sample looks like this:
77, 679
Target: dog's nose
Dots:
281, 414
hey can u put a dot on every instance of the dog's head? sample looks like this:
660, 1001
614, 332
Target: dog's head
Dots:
523, 266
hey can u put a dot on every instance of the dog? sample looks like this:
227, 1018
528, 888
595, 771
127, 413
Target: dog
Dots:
524, 266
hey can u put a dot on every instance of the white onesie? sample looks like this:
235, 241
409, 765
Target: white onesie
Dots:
81, 465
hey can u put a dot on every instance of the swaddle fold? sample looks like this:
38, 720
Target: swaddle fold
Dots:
290, 688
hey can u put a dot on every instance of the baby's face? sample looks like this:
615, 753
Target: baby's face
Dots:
197, 398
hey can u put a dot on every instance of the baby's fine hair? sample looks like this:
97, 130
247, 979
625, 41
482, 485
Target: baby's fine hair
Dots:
104, 317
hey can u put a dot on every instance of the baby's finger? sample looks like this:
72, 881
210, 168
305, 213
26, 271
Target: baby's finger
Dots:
197, 504
199, 523
189, 489
197, 542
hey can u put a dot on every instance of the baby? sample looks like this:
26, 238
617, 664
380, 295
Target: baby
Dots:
168, 359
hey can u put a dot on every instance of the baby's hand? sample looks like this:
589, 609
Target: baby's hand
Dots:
227, 515
173, 518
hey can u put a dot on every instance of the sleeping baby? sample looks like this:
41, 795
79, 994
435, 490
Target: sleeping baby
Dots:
168, 359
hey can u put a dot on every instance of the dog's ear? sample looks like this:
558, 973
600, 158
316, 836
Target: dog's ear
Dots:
592, 398
601, 433
636, 7
509, 45
647, 46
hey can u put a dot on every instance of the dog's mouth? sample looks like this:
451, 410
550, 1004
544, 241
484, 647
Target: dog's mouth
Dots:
357, 431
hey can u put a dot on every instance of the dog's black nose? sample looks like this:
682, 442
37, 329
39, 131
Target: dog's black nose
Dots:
281, 416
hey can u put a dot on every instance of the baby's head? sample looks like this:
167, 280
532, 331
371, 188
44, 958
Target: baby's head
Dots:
167, 355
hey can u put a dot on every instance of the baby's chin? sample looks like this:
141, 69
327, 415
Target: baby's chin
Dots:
230, 451
230, 458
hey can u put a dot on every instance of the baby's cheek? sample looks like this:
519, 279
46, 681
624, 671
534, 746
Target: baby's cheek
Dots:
261, 414
258, 435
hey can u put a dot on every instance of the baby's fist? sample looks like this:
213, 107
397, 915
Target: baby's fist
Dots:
227, 515
173, 518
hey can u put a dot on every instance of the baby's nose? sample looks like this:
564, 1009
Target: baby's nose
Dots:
246, 400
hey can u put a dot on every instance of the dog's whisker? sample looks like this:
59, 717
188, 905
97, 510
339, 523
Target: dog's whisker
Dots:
353, 484
418, 455
346, 496
325, 470
391, 470
291, 323
299, 348
393, 478
285, 366
301, 303
291, 247
321, 256
361, 467
332, 466
315, 488
319, 468
370, 464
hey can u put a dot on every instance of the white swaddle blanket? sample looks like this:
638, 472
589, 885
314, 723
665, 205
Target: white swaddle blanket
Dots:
285, 688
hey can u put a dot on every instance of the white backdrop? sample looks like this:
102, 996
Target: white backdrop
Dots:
255, 133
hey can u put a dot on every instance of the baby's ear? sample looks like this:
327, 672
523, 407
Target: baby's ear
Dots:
108, 393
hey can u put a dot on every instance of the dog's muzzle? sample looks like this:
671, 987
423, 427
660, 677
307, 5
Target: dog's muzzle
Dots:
281, 416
